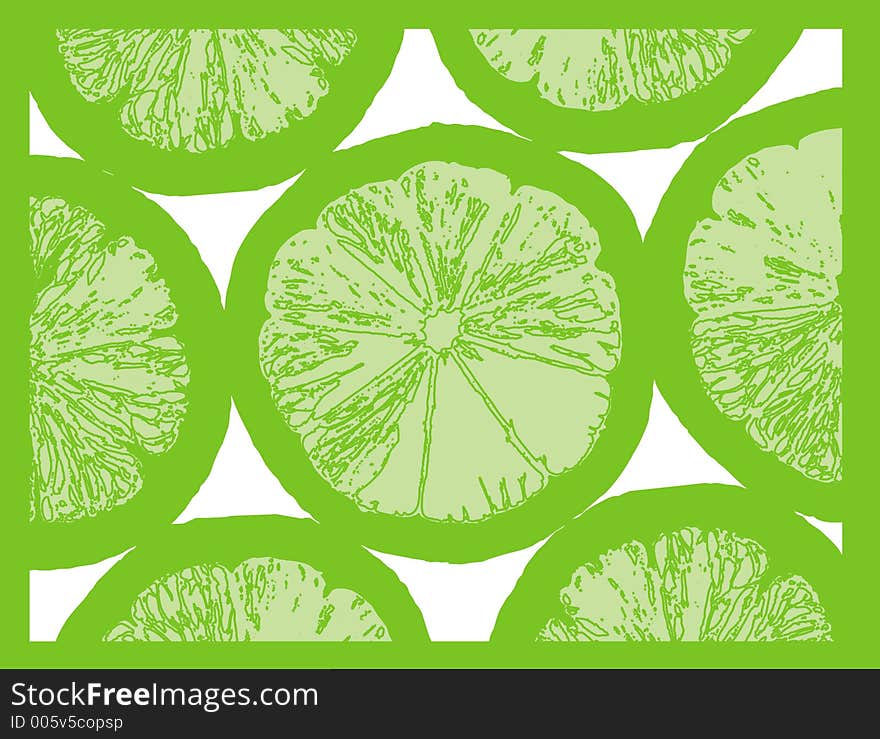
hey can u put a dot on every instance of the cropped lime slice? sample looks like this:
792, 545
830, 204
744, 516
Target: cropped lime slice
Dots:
246, 579
204, 110
698, 564
126, 408
748, 247
437, 336
612, 89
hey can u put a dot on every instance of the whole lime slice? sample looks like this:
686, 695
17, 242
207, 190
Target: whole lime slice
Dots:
205, 110
245, 579
704, 563
126, 406
747, 245
612, 89
439, 341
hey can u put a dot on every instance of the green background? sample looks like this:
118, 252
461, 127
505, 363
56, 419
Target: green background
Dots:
858, 648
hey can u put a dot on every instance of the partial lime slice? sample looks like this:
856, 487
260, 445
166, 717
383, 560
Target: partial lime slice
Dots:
603, 68
612, 89
260, 599
204, 110
748, 247
699, 564
243, 580
439, 341
127, 408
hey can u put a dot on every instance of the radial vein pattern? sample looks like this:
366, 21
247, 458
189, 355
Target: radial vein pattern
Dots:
441, 343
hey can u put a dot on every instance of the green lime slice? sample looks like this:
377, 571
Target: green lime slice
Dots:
245, 579
748, 246
126, 408
704, 563
439, 341
185, 111
612, 89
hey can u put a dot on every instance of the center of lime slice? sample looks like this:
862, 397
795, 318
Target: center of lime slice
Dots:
441, 329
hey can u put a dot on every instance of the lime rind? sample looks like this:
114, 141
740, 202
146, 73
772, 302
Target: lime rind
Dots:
195, 90
761, 275
261, 599
403, 328
108, 377
699, 585
601, 69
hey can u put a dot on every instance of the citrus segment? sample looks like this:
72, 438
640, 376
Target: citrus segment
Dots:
108, 376
409, 311
600, 69
197, 89
761, 275
262, 599
550, 423
698, 586
614, 599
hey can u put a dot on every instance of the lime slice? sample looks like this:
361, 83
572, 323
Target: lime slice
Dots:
246, 579
748, 244
703, 563
434, 337
198, 110
612, 89
125, 409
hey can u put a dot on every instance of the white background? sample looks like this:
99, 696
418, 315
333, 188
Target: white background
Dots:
459, 602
